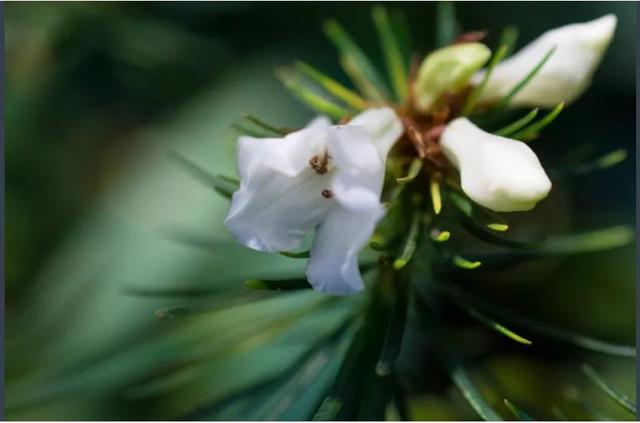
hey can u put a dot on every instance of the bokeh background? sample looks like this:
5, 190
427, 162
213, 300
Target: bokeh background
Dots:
101, 224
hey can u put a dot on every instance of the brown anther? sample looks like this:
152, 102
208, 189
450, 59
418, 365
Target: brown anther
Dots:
320, 163
326, 193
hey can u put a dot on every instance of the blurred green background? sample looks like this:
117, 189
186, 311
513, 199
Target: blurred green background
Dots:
98, 95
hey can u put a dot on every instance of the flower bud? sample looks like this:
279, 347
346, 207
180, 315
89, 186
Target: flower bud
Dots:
566, 74
447, 69
499, 173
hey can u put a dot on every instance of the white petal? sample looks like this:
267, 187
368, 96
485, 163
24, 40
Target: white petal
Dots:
280, 197
283, 155
383, 125
357, 182
356, 187
567, 73
499, 173
333, 266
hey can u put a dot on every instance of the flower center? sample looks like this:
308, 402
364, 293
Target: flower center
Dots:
320, 162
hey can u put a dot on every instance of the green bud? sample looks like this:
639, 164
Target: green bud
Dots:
447, 69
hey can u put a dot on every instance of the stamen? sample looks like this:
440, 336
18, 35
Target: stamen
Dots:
326, 193
418, 141
320, 163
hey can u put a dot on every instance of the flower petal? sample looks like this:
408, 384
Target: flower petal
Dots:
567, 73
280, 197
288, 156
383, 125
499, 173
333, 266
358, 180
356, 187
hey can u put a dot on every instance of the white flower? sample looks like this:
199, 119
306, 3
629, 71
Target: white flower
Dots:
578, 51
325, 177
499, 173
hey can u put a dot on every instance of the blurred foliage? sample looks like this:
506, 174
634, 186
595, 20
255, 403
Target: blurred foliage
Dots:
102, 225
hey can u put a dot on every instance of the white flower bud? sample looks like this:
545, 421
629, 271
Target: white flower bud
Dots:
447, 69
499, 173
566, 74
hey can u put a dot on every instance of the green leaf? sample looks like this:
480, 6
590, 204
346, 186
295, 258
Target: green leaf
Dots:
263, 125
298, 397
463, 263
313, 100
440, 236
328, 410
355, 63
533, 130
475, 94
508, 38
591, 241
483, 215
504, 102
278, 285
386, 235
447, 27
396, 66
309, 394
296, 254
223, 185
614, 394
495, 325
608, 160
251, 131
400, 27
414, 170
189, 291
357, 374
332, 86
268, 371
518, 124
450, 357
545, 329
395, 329
521, 415
612, 159
470, 216
170, 313
411, 242
463, 382
499, 227
560, 245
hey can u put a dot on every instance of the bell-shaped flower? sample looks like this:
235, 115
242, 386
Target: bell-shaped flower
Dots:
566, 74
499, 173
324, 178
447, 69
